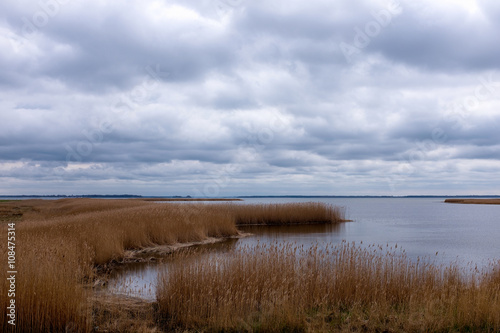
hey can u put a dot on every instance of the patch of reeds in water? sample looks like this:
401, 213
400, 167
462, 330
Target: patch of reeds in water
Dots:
286, 213
474, 201
285, 287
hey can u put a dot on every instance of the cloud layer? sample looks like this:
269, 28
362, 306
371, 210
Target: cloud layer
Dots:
230, 97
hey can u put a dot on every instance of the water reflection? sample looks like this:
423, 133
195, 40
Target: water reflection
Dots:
294, 230
139, 279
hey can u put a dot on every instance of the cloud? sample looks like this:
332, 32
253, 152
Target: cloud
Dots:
246, 97
442, 37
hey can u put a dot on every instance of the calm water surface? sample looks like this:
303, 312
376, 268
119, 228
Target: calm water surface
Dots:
423, 227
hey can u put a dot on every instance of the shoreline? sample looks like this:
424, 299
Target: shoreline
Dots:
132, 256
187, 199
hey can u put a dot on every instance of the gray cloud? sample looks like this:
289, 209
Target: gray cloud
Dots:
441, 39
247, 97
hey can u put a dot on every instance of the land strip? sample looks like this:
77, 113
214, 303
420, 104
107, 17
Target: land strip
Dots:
474, 201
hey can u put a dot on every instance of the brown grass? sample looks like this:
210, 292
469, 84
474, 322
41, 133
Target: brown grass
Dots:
113, 313
285, 287
62, 244
59, 244
11, 210
474, 201
286, 214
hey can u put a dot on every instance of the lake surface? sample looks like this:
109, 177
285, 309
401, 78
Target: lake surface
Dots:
423, 227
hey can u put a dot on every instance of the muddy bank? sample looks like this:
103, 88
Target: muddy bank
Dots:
151, 254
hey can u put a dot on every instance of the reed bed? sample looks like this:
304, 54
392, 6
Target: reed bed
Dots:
286, 214
60, 245
50, 294
285, 287
474, 201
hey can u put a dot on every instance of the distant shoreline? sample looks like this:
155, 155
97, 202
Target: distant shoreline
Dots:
189, 199
152, 197
474, 201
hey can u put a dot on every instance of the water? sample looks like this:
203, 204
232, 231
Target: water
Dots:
423, 227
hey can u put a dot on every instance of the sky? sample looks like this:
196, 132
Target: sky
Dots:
239, 97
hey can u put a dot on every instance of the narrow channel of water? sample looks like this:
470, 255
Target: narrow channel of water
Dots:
423, 227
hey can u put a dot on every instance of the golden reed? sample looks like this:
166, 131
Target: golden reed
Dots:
60, 244
335, 288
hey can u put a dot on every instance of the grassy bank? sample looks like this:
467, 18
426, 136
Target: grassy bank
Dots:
61, 245
474, 201
284, 288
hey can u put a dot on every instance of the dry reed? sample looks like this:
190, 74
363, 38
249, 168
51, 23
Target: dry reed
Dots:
60, 243
474, 201
285, 287
286, 214
269, 288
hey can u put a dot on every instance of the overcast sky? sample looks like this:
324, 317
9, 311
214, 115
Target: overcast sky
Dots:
240, 97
